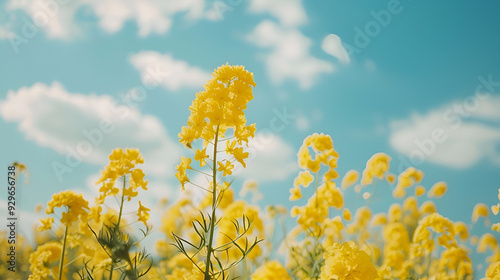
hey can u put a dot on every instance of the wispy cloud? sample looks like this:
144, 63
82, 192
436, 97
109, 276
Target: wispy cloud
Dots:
332, 45
271, 159
86, 128
459, 134
179, 74
289, 55
289, 12
58, 20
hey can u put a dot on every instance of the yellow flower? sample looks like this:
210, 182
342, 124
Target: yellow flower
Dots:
398, 192
201, 156
347, 262
419, 190
220, 106
332, 195
143, 214
350, 178
227, 232
181, 171
438, 190
487, 241
271, 270
295, 194
376, 166
480, 210
495, 227
379, 220
295, 211
305, 178
239, 155
390, 178
75, 204
41, 260
122, 164
456, 260
428, 207
46, 224
395, 213
225, 168
422, 239
187, 135
461, 230
346, 214
495, 209
408, 177
324, 153
137, 176
493, 271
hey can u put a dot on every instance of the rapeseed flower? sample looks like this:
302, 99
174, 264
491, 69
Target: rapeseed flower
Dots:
75, 205
347, 262
271, 270
376, 167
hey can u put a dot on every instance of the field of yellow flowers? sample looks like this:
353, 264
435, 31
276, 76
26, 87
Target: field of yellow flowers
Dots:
222, 237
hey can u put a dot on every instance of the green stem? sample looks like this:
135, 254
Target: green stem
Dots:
214, 201
118, 224
61, 262
122, 200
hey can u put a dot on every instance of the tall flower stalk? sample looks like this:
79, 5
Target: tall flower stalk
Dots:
214, 111
123, 166
313, 218
76, 208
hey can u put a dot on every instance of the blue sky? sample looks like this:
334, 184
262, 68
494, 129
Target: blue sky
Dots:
376, 76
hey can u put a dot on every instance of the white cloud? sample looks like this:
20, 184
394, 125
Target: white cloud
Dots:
289, 12
88, 127
290, 55
270, 159
178, 73
57, 18
332, 45
459, 134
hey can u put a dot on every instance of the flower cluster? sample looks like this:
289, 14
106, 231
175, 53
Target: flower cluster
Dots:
410, 230
217, 116
41, 259
122, 165
327, 195
216, 109
347, 262
95, 241
271, 270
75, 204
